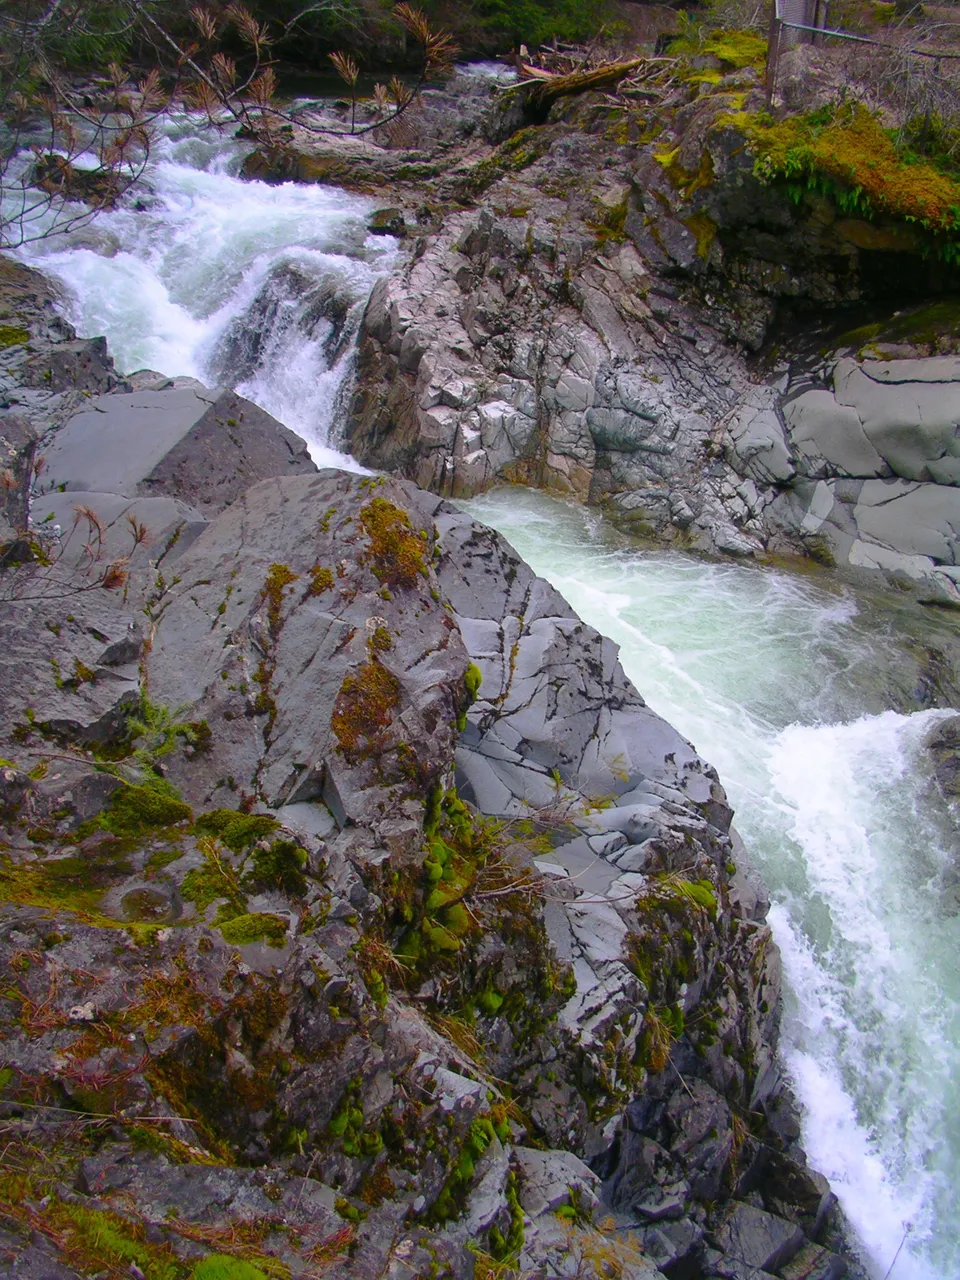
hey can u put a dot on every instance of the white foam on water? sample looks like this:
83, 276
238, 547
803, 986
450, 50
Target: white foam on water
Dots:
167, 277
759, 669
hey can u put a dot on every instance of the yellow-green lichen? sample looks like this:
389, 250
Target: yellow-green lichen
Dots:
687, 181
365, 707
13, 335
397, 552
704, 229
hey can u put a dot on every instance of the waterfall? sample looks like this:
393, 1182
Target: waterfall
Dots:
204, 275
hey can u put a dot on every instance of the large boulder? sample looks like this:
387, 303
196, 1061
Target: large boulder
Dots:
204, 447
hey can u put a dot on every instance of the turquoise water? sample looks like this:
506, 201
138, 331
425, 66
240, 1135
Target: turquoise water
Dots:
769, 674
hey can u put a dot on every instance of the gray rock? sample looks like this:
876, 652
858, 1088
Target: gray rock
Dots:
758, 1238
203, 447
294, 652
813, 1262
943, 743
830, 436
550, 1178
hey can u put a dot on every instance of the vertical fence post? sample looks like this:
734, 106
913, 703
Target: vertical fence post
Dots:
773, 49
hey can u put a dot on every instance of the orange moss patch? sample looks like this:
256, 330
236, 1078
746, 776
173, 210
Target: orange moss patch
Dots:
365, 706
279, 577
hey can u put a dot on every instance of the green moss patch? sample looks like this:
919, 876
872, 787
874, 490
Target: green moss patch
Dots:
259, 926
220, 1266
12, 335
936, 326
279, 867
76, 884
846, 153
137, 810
238, 831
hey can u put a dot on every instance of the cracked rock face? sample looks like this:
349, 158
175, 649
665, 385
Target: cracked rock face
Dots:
583, 327
870, 455
354, 1008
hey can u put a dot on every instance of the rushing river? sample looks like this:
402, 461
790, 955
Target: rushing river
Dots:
235, 283
768, 674
773, 677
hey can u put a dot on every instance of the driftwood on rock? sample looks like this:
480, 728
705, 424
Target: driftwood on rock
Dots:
544, 87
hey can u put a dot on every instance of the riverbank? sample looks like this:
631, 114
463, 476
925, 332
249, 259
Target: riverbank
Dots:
297, 859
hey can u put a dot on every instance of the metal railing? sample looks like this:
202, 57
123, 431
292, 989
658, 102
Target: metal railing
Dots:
808, 18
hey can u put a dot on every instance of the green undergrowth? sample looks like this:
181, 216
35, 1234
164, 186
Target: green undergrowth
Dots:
845, 153
448, 1204
78, 882
532, 22
259, 926
735, 50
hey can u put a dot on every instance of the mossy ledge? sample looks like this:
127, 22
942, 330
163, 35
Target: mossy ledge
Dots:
846, 153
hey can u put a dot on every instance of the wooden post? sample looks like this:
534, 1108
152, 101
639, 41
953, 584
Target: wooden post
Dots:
773, 49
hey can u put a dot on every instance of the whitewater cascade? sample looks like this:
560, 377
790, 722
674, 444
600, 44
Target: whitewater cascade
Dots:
768, 675
235, 283
771, 676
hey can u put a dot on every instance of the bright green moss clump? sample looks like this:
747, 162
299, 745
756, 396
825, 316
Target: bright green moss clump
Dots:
136, 810
472, 679
279, 867
259, 926
220, 1266
236, 830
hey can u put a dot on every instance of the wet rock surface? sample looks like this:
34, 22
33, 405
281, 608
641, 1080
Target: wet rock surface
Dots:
580, 315
359, 915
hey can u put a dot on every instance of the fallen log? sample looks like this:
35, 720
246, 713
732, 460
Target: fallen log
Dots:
544, 87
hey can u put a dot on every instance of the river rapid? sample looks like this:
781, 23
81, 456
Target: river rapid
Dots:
777, 679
